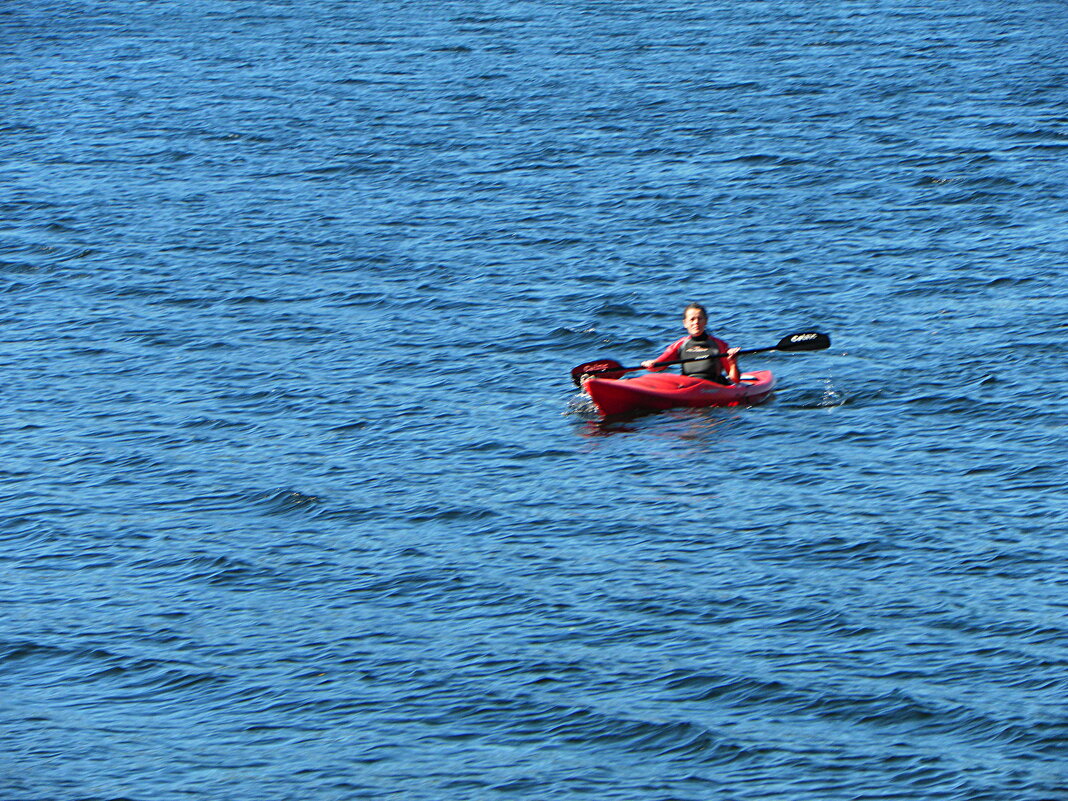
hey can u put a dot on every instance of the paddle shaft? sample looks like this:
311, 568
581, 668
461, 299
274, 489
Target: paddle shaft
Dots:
810, 340
685, 361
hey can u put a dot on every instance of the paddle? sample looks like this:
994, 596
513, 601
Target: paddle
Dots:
807, 340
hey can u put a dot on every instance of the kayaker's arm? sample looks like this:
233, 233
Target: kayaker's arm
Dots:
733, 373
669, 356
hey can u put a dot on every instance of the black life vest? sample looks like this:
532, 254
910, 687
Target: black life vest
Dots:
708, 369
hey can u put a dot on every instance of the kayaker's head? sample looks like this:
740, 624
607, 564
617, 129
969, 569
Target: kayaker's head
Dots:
694, 319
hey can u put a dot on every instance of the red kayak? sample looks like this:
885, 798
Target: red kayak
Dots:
655, 391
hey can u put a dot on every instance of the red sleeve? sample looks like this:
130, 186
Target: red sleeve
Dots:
672, 351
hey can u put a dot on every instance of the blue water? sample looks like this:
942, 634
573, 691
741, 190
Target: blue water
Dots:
298, 501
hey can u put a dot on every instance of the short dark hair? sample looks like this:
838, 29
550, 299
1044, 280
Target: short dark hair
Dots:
697, 306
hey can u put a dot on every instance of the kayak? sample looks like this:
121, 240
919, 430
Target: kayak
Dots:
656, 391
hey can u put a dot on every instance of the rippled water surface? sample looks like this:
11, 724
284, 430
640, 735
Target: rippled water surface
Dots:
300, 503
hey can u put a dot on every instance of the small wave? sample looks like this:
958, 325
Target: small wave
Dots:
29, 649
211, 569
581, 406
571, 336
345, 428
147, 678
241, 576
756, 158
892, 707
742, 690
238, 137
935, 180
212, 423
109, 669
18, 267
585, 727
427, 514
969, 198
1040, 135
827, 397
283, 501
613, 309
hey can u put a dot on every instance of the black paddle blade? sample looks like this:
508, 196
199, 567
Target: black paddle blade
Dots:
605, 368
810, 340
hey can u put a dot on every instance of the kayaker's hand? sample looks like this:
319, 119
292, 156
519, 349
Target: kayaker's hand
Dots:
733, 353
649, 364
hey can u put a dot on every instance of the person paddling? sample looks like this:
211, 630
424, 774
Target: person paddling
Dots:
697, 344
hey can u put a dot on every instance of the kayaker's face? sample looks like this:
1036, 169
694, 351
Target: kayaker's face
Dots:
695, 321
